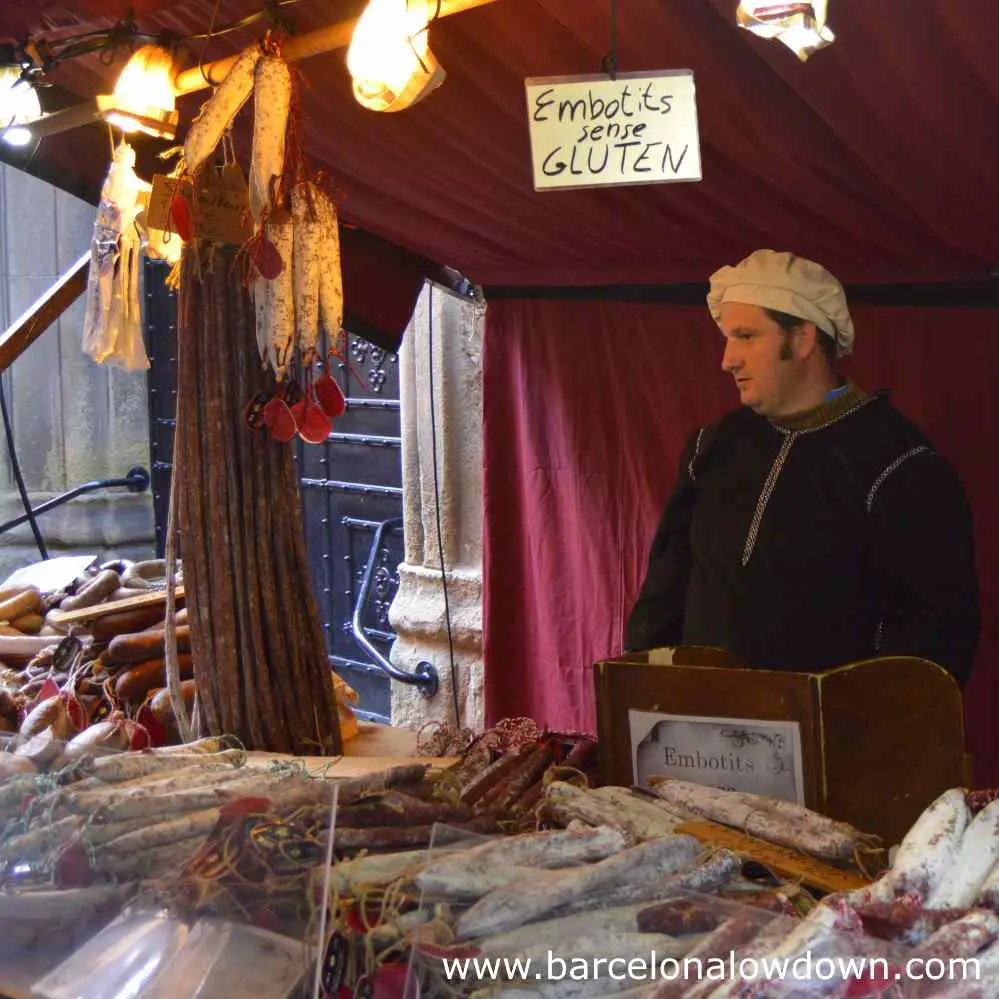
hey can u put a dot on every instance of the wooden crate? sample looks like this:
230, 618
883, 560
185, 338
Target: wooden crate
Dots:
878, 739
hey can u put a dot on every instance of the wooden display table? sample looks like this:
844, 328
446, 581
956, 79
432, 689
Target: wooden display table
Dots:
374, 748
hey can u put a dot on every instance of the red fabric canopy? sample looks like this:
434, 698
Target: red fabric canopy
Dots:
874, 157
587, 406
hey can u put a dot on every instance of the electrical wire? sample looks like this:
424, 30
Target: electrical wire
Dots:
108, 41
437, 509
18, 477
242, 23
204, 48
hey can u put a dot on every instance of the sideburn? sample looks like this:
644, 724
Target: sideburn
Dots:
786, 354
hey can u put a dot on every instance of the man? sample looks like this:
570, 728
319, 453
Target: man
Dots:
816, 526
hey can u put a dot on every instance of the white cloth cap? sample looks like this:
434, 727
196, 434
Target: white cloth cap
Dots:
788, 284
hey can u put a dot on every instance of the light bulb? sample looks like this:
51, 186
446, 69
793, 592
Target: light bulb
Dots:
18, 107
389, 57
144, 96
800, 26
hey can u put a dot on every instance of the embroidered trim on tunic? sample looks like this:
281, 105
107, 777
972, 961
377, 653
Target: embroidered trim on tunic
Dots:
768, 488
893, 467
879, 635
792, 428
693, 457
825, 414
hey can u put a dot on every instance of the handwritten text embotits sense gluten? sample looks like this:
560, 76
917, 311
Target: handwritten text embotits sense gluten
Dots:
603, 127
622, 132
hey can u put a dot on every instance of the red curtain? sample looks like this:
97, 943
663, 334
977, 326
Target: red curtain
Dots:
586, 407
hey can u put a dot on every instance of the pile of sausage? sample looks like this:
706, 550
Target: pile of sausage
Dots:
65, 677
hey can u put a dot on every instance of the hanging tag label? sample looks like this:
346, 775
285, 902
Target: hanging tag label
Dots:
222, 211
592, 131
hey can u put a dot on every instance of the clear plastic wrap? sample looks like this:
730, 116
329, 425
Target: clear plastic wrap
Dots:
157, 956
191, 871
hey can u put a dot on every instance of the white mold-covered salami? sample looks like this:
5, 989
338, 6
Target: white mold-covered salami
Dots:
307, 266
929, 847
977, 853
524, 901
218, 112
282, 298
261, 291
271, 104
330, 270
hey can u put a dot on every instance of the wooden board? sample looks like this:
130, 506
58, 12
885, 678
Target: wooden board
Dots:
145, 598
374, 748
39, 316
788, 863
346, 766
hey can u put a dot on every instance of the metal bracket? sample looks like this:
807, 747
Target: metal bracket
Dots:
425, 675
137, 481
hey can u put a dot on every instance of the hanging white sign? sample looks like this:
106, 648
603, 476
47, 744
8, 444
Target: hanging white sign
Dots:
592, 131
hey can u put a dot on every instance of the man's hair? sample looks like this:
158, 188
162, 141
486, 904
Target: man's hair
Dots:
789, 324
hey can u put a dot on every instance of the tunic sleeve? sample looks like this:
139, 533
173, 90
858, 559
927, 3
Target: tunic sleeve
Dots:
657, 617
924, 563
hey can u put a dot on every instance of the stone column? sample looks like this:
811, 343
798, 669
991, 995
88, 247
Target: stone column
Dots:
74, 420
446, 331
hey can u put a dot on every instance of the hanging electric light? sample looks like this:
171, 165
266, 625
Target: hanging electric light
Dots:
800, 26
18, 107
144, 96
389, 58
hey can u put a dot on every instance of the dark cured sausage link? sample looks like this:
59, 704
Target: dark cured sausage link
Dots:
251, 708
141, 647
530, 797
581, 756
734, 933
394, 809
190, 471
494, 773
401, 837
532, 771
675, 918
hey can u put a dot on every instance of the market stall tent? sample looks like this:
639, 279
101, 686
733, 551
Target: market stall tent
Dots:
874, 157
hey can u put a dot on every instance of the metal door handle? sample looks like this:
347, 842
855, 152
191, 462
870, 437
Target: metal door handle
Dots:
425, 675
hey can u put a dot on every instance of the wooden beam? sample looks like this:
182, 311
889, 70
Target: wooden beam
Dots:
63, 120
141, 600
26, 329
328, 39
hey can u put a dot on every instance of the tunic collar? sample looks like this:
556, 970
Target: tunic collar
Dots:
830, 411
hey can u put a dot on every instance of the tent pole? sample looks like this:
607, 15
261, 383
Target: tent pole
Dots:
328, 39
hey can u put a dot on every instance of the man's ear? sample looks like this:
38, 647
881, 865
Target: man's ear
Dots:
806, 335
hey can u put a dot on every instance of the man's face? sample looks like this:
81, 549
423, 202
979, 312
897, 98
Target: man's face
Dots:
760, 356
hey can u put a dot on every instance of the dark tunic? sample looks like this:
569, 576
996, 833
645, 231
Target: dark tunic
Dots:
815, 542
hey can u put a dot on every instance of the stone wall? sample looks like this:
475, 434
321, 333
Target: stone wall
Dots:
74, 420
446, 331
